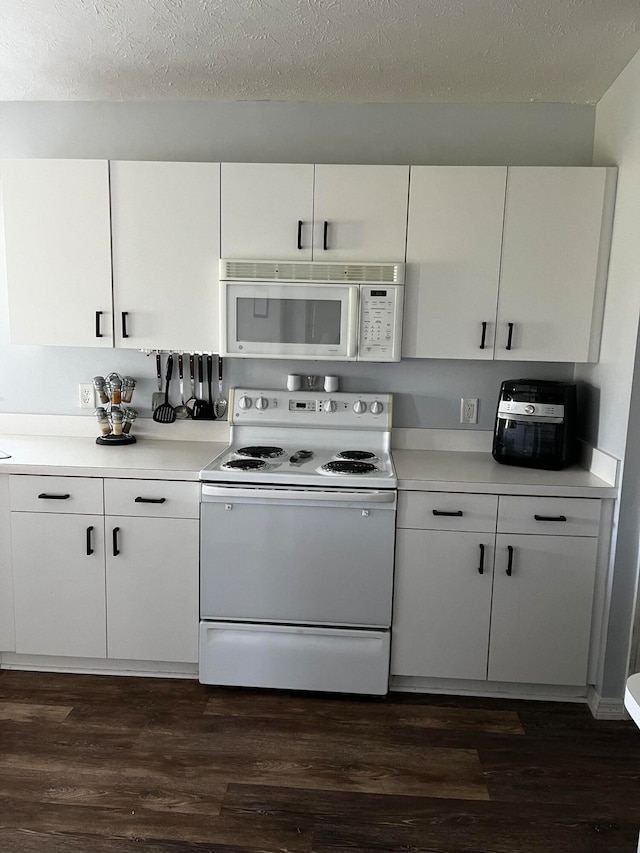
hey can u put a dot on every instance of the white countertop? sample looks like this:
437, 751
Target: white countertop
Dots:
464, 471
156, 459
423, 470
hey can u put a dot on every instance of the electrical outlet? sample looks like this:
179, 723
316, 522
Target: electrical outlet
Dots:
469, 410
86, 395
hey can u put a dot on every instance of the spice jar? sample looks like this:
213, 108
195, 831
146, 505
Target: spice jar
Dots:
116, 420
101, 388
115, 385
128, 384
103, 420
129, 417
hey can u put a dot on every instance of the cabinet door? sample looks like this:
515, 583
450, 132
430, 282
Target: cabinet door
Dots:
58, 577
441, 604
365, 211
552, 271
453, 261
166, 250
7, 632
152, 588
267, 211
541, 617
58, 252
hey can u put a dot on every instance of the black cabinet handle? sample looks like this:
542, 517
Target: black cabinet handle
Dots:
457, 514
98, 318
140, 500
484, 335
89, 545
299, 233
116, 551
481, 566
325, 236
510, 561
550, 517
125, 314
45, 497
510, 337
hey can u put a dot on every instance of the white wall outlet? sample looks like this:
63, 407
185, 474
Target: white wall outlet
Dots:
469, 410
86, 395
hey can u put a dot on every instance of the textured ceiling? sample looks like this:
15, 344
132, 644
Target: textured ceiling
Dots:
315, 50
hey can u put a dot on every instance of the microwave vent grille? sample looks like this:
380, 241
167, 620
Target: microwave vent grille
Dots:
311, 271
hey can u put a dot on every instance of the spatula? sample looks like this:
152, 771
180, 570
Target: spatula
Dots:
192, 384
220, 404
157, 398
166, 414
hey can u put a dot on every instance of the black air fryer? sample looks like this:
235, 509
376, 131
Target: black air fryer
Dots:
536, 424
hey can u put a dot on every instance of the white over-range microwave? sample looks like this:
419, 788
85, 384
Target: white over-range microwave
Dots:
311, 310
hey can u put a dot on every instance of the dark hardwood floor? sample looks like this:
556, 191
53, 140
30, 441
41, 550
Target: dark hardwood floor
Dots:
117, 765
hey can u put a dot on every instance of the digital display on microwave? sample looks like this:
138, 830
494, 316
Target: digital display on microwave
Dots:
378, 292
288, 321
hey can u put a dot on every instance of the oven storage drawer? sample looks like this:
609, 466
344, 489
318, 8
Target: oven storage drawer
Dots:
294, 658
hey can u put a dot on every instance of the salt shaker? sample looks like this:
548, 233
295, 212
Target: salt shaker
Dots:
103, 420
129, 417
101, 390
116, 420
128, 384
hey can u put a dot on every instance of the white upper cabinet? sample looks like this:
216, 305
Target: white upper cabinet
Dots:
166, 247
267, 210
304, 212
523, 272
58, 251
453, 261
554, 263
360, 213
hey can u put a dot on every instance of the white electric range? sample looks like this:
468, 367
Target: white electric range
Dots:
297, 544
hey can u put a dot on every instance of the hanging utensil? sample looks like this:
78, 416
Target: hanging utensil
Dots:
211, 415
157, 398
181, 410
166, 414
199, 406
192, 382
220, 405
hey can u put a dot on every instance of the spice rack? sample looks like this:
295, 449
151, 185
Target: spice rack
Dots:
114, 420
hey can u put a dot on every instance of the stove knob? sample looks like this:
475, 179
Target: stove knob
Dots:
359, 407
376, 407
529, 410
262, 403
329, 406
244, 402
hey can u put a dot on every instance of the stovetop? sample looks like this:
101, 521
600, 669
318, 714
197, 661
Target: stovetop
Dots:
305, 438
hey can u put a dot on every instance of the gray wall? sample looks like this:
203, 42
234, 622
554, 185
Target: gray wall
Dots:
44, 380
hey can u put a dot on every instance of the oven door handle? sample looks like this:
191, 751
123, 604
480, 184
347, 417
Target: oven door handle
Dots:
212, 493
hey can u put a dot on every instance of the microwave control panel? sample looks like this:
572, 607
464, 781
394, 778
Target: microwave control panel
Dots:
380, 322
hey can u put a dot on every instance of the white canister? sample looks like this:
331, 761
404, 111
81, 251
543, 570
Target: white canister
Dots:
294, 382
330, 383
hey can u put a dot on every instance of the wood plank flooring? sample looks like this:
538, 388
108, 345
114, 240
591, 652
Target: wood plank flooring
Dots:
116, 765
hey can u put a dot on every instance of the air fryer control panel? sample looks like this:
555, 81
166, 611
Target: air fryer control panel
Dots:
380, 322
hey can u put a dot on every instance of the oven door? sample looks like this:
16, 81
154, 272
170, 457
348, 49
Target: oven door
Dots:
297, 556
293, 320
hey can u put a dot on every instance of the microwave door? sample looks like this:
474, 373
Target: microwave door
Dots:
290, 320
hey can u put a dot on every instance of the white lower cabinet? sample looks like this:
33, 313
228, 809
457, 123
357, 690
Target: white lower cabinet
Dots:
442, 603
58, 578
525, 618
152, 589
541, 615
88, 585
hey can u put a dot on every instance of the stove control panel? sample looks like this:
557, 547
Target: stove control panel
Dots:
310, 408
